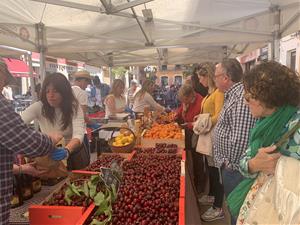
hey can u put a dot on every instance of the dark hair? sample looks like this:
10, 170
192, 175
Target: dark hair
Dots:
273, 84
69, 105
96, 81
233, 69
198, 87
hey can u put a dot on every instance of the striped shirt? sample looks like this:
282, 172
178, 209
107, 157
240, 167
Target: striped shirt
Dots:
231, 134
15, 137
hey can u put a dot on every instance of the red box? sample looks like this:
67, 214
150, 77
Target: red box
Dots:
86, 215
59, 215
181, 211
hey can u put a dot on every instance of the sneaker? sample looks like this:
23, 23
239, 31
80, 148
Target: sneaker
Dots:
213, 214
206, 200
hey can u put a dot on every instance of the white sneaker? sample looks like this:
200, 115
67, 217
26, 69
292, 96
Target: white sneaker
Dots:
212, 214
206, 200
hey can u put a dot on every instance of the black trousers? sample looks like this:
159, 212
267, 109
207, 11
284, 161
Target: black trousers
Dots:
196, 163
216, 189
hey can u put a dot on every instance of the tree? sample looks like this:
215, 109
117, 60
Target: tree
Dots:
119, 72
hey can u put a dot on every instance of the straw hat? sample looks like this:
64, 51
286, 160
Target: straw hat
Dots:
82, 74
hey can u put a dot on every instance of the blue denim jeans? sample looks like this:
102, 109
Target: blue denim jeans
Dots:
231, 178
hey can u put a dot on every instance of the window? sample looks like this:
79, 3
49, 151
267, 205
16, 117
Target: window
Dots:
178, 80
177, 67
164, 67
164, 80
293, 60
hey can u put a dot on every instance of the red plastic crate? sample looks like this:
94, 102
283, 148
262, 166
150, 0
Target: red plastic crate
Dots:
181, 211
86, 215
59, 215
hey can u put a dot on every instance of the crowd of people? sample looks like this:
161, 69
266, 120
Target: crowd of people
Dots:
250, 123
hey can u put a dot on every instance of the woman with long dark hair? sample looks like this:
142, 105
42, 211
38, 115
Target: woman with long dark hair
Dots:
58, 112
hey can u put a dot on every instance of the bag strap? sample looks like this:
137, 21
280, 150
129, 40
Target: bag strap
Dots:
287, 135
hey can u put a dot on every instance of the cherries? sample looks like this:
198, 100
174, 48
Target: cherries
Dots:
159, 148
149, 192
105, 161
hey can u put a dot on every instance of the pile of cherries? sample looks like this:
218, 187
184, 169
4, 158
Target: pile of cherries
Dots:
159, 148
105, 161
149, 192
58, 198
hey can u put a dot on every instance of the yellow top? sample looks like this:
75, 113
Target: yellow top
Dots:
213, 104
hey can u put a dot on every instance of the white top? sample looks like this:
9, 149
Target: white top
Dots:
119, 103
146, 101
75, 130
80, 95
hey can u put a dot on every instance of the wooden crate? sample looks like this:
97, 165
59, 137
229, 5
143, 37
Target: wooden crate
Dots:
149, 142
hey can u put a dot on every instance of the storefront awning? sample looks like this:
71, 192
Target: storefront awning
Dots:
18, 68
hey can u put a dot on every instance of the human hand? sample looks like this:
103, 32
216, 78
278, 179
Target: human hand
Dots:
29, 168
60, 154
265, 160
55, 137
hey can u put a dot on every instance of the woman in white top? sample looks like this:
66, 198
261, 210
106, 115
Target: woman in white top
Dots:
143, 98
115, 102
58, 111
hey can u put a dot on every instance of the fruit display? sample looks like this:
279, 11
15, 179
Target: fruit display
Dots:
166, 118
123, 139
149, 192
164, 131
105, 161
159, 148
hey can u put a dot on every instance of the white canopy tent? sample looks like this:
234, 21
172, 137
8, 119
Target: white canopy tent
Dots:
122, 32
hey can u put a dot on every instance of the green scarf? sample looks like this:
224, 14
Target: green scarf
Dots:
265, 132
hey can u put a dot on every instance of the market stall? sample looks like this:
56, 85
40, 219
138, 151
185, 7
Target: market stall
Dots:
139, 184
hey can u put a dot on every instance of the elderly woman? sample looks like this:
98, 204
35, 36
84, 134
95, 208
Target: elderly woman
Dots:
143, 98
58, 112
115, 102
272, 92
191, 107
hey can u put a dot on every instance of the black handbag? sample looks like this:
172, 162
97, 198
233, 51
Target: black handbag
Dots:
80, 158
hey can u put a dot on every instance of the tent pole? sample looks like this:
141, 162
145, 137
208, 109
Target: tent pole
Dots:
276, 34
32, 80
41, 45
111, 79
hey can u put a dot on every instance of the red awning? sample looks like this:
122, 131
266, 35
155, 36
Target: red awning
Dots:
18, 68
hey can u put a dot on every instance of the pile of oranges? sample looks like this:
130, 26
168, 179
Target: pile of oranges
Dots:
164, 131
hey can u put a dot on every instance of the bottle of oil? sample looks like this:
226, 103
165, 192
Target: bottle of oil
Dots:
26, 186
17, 198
